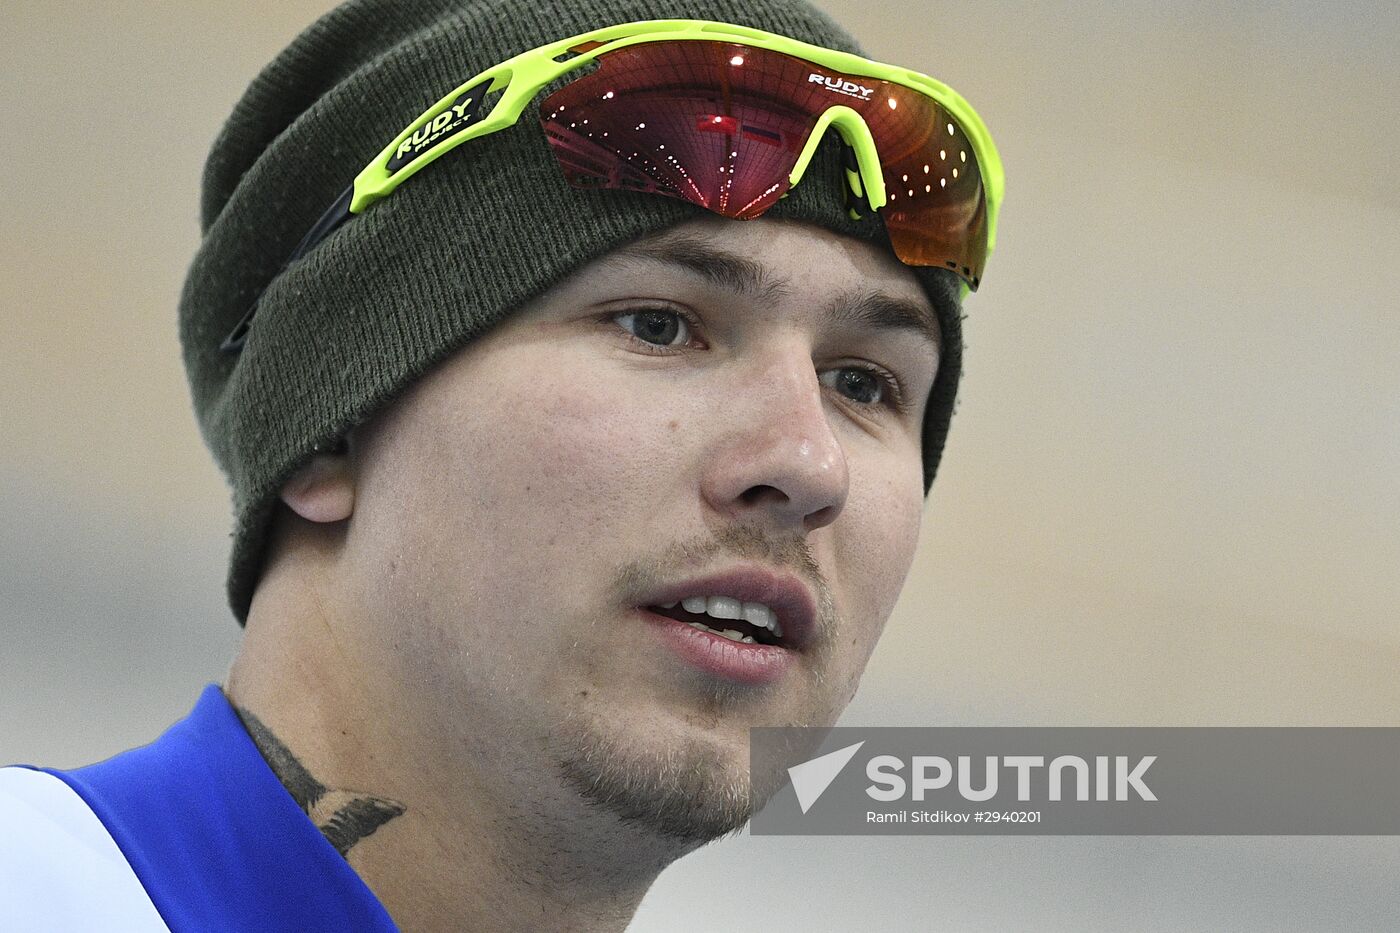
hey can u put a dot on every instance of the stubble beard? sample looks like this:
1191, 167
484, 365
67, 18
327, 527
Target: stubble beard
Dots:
689, 793
689, 790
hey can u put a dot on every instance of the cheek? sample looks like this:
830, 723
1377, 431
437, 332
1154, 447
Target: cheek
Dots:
884, 511
594, 448
525, 464
869, 549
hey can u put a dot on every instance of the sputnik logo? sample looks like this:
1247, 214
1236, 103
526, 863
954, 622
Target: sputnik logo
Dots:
811, 778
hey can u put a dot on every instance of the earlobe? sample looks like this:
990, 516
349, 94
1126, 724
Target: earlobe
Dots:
323, 490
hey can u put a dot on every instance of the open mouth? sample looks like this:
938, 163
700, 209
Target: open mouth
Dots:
755, 628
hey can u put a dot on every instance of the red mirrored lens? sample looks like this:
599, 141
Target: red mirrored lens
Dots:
721, 124
936, 209
693, 120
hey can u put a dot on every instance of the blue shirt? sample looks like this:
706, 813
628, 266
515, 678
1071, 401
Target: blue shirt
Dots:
204, 826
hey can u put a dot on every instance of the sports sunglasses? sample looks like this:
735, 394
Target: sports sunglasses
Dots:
728, 118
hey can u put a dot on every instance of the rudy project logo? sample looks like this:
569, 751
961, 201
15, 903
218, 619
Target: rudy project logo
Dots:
458, 114
842, 86
1115, 779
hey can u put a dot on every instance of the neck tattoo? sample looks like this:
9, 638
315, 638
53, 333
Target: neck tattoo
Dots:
344, 817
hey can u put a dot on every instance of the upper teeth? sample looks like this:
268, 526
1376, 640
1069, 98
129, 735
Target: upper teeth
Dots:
727, 607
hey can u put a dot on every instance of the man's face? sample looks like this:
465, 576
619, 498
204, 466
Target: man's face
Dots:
735, 400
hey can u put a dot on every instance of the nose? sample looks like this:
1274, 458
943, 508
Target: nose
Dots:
775, 459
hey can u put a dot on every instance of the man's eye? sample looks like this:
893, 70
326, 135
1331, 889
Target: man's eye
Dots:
866, 386
656, 326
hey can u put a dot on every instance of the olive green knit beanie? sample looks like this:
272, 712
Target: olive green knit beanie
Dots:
473, 237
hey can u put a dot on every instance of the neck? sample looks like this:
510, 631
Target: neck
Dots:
445, 841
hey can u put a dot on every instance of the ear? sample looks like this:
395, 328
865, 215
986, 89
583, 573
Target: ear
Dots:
323, 490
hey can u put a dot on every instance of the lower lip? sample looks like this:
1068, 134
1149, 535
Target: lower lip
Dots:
717, 655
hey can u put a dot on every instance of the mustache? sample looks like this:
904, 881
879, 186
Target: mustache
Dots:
748, 543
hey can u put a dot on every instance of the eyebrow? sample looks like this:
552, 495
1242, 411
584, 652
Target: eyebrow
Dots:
883, 311
744, 276
718, 267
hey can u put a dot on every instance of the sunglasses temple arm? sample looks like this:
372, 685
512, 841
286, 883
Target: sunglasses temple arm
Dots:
335, 215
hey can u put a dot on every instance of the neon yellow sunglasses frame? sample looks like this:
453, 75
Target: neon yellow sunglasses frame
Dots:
455, 119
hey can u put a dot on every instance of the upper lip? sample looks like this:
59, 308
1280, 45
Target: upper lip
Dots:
789, 598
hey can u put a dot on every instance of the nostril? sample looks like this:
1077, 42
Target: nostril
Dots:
755, 495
